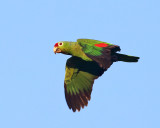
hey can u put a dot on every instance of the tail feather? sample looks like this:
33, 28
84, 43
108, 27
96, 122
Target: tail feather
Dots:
126, 58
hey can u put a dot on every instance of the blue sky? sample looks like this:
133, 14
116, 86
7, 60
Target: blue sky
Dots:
32, 76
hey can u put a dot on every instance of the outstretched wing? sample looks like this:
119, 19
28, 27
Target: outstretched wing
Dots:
101, 52
79, 79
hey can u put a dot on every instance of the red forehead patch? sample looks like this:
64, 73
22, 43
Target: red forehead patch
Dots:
101, 45
56, 45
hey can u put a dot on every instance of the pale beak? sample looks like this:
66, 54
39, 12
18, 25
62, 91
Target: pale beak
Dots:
56, 50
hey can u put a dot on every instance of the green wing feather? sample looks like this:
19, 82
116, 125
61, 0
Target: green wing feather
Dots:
79, 79
91, 41
88, 46
104, 56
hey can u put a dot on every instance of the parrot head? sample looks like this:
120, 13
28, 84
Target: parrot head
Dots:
61, 47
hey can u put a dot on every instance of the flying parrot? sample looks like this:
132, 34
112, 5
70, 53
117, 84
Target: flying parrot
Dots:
90, 59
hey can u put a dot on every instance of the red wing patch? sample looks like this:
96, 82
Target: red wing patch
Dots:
101, 45
56, 45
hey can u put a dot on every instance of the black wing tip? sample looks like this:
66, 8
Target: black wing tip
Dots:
78, 101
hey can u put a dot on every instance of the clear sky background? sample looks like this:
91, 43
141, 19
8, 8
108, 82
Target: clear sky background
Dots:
32, 76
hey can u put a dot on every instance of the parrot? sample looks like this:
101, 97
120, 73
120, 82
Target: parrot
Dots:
89, 60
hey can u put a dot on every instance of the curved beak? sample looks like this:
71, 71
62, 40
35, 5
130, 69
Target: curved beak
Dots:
56, 50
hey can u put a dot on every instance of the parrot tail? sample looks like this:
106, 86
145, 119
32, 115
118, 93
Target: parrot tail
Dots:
126, 58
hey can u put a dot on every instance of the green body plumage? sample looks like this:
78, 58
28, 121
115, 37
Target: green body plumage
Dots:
90, 58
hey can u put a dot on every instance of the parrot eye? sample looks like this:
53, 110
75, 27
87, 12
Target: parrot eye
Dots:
60, 44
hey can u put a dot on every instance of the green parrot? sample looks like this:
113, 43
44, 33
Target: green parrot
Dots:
90, 59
